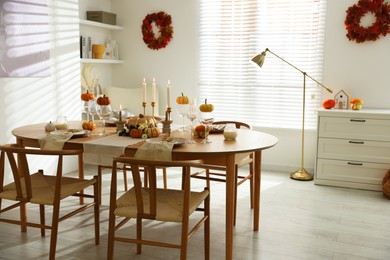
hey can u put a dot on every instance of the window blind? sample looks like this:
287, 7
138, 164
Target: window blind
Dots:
231, 32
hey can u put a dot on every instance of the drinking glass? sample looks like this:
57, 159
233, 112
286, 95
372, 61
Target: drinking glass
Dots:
206, 119
191, 115
92, 110
182, 109
103, 112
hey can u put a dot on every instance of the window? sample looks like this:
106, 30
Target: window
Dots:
234, 31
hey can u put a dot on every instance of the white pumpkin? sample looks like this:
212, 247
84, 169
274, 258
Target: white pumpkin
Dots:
50, 127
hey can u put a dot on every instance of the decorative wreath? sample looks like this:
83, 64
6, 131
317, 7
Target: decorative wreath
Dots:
355, 13
163, 22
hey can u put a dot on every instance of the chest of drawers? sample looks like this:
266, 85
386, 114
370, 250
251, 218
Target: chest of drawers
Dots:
353, 148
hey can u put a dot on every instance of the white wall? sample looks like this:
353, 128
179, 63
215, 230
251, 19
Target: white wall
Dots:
35, 100
361, 69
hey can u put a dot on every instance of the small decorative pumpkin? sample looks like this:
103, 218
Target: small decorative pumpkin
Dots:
328, 104
206, 107
50, 127
152, 132
136, 133
87, 96
182, 100
356, 103
88, 125
103, 101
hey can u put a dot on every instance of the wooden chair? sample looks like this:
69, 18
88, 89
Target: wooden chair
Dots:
125, 168
37, 188
219, 175
158, 204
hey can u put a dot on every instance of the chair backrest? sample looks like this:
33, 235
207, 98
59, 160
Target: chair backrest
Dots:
151, 166
131, 99
18, 160
237, 123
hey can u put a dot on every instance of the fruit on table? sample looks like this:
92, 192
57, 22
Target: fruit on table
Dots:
356, 103
152, 132
206, 107
87, 96
328, 104
103, 101
136, 133
182, 100
199, 131
49, 127
88, 125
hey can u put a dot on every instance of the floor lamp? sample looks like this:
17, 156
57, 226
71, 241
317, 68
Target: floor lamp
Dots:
301, 174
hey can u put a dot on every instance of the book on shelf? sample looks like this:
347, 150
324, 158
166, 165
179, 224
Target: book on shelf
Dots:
85, 47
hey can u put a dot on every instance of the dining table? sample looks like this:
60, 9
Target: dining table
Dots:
219, 152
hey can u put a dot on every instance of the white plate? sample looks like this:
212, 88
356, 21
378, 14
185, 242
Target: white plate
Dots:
75, 132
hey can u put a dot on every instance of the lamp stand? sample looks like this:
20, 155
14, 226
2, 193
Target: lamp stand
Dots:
302, 174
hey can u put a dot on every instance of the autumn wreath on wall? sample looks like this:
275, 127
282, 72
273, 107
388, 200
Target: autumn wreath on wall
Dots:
163, 23
355, 13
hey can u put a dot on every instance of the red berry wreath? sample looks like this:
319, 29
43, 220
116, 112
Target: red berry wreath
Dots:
381, 25
163, 22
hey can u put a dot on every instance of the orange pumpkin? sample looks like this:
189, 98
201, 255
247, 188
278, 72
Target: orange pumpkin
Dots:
136, 133
87, 96
328, 104
103, 101
206, 107
88, 125
182, 100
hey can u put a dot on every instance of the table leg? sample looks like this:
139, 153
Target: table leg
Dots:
257, 183
230, 190
81, 173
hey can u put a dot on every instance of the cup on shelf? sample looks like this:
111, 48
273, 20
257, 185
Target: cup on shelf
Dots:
98, 51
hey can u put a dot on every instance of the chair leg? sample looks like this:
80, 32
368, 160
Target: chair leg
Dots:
100, 180
42, 217
111, 234
139, 234
23, 217
54, 230
184, 239
96, 209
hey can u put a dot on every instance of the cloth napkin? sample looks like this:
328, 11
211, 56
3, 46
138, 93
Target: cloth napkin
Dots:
156, 151
54, 141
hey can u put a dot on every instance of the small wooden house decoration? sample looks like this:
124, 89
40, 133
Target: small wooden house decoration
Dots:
341, 99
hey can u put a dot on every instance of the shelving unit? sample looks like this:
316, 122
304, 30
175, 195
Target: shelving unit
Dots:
98, 25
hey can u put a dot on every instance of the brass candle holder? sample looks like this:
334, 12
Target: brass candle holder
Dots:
144, 105
153, 105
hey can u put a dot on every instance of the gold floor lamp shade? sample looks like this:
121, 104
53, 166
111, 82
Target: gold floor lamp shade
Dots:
301, 174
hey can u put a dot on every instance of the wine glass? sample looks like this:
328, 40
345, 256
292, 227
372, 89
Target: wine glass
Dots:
104, 112
182, 109
92, 109
206, 119
191, 115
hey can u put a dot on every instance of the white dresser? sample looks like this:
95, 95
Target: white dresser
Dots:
353, 148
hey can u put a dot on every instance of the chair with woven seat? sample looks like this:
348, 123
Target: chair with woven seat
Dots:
164, 205
44, 190
219, 175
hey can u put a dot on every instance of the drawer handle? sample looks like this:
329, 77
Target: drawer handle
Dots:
356, 142
356, 164
358, 120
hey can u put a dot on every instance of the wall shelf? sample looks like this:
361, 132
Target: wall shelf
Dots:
100, 25
103, 61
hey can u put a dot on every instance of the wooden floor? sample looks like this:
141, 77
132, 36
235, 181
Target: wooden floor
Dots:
298, 220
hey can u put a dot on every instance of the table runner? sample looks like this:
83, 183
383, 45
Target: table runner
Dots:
101, 151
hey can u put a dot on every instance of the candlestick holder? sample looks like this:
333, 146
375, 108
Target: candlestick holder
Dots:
144, 105
168, 114
166, 129
153, 105
120, 125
